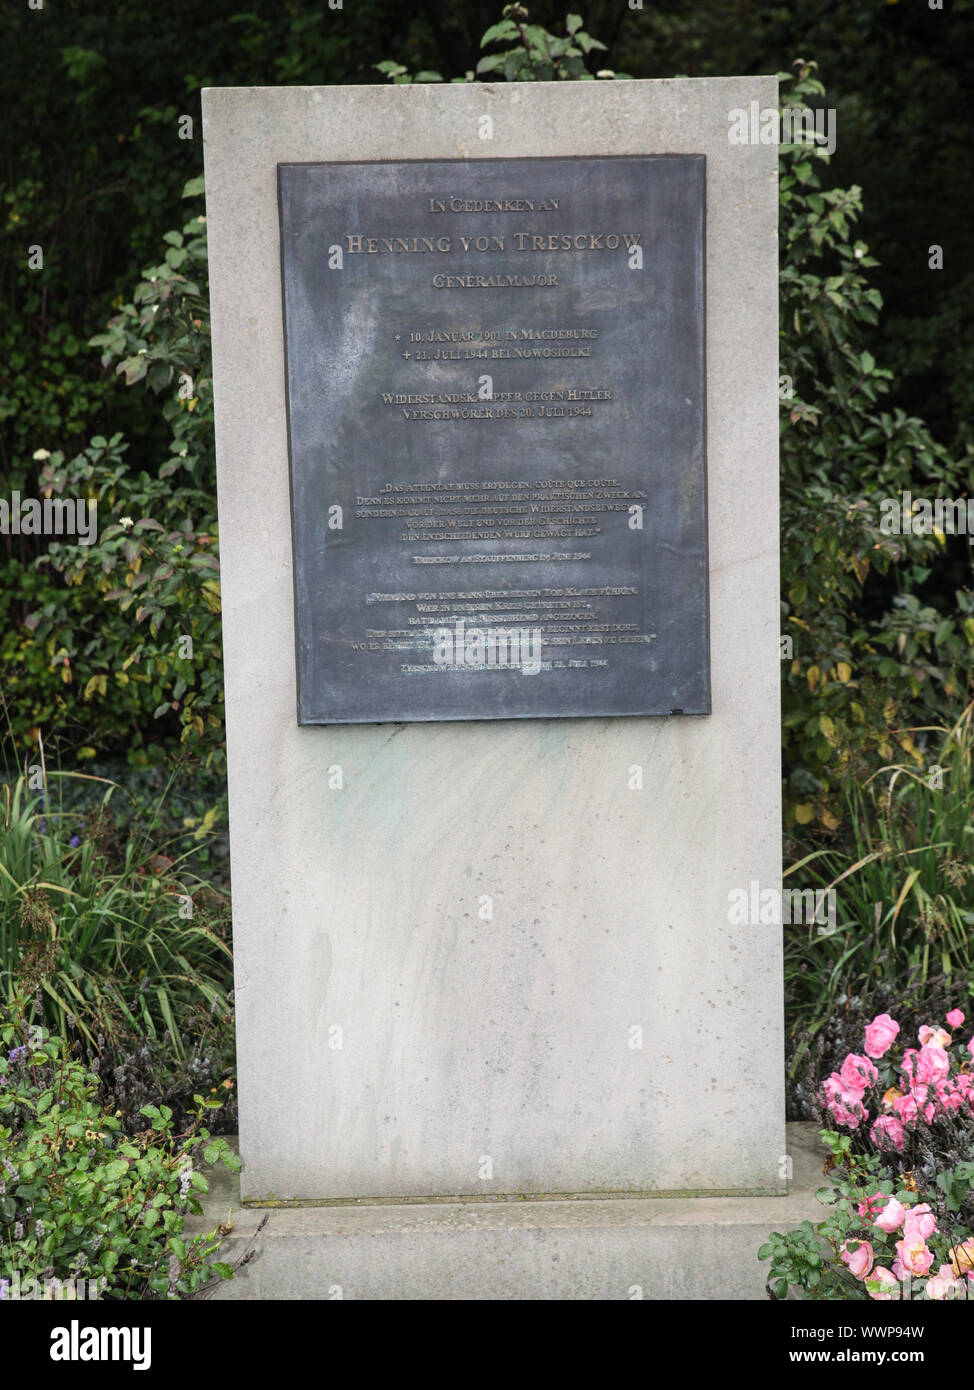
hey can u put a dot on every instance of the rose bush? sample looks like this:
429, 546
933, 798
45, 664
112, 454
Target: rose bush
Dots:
902, 1179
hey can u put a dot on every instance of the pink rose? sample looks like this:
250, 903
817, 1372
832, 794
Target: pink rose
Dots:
955, 1018
919, 1223
888, 1286
970, 1048
860, 1260
846, 1107
857, 1073
932, 1065
943, 1284
950, 1096
933, 1037
887, 1133
891, 1217
906, 1109
872, 1206
914, 1255
880, 1035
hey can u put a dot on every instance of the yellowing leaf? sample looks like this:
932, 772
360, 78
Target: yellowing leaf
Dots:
829, 821
812, 675
804, 813
844, 671
908, 883
860, 567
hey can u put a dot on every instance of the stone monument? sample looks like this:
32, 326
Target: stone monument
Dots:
495, 373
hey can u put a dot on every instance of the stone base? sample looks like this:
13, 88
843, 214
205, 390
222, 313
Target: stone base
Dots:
584, 1248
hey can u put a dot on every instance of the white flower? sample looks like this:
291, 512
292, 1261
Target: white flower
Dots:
126, 521
42, 453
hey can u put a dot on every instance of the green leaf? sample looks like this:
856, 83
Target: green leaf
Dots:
506, 29
492, 62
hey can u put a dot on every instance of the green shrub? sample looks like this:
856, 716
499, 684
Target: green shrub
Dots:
79, 1200
867, 658
534, 54
904, 888
144, 644
119, 936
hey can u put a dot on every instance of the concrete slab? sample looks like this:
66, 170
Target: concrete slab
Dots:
535, 1249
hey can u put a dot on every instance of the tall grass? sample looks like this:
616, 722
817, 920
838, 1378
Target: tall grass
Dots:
96, 917
905, 894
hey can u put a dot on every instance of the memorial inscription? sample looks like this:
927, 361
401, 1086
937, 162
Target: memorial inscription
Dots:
495, 380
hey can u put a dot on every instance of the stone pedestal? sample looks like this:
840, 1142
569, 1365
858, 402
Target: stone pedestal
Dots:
606, 1029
